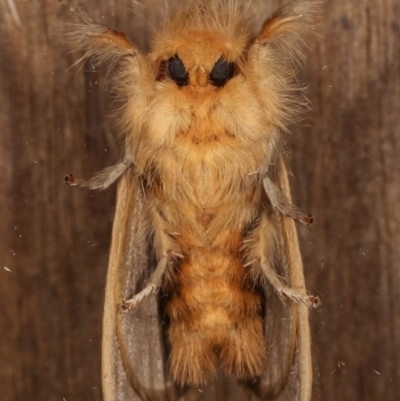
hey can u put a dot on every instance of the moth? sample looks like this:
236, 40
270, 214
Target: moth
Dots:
205, 275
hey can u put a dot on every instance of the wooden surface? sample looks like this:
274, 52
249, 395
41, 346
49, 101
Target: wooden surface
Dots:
55, 239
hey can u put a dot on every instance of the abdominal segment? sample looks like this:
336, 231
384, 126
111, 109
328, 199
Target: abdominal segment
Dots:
215, 315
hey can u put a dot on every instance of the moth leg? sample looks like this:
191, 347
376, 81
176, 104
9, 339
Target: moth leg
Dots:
166, 249
103, 179
261, 252
280, 202
285, 291
152, 286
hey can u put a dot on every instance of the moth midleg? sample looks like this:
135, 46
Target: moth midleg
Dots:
261, 252
153, 285
280, 202
282, 289
104, 178
166, 249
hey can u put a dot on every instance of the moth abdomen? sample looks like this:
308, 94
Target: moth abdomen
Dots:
215, 318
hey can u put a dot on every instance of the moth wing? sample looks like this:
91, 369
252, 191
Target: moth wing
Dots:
288, 374
133, 349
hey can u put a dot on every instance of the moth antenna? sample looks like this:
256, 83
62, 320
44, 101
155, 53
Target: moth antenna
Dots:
97, 41
153, 28
137, 3
247, 6
14, 12
79, 12
290, 26
166, 10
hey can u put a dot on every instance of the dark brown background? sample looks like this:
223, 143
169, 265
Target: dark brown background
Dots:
55, 239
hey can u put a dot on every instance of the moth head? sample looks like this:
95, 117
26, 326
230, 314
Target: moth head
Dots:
207, 44
201, 45
207, 63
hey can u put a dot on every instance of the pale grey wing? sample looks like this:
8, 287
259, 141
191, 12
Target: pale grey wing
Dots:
288, 374
133, 349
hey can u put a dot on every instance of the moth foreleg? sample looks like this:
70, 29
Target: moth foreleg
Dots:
280, 202
102, 179
152, 286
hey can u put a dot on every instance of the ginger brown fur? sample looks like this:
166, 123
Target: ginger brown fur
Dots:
215, 314
201, 144
202, 152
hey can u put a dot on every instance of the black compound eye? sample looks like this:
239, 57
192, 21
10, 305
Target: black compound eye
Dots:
222, 72
176, 71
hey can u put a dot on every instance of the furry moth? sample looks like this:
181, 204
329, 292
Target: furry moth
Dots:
204, 259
